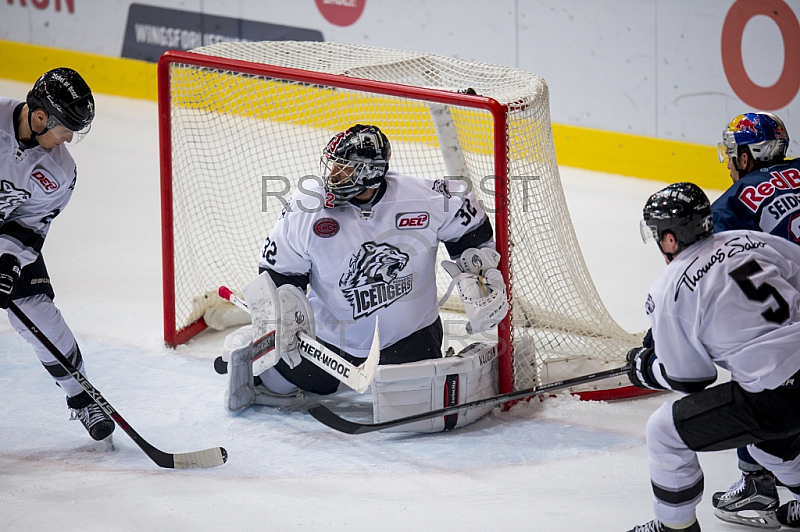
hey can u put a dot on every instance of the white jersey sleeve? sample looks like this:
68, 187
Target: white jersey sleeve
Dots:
731, 300
286, 236
464, 215
35, 186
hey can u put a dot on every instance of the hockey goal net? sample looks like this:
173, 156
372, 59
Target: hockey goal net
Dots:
241, 123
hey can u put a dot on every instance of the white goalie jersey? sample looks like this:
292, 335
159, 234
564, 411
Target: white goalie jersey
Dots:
362, 264
35, 186
750, 279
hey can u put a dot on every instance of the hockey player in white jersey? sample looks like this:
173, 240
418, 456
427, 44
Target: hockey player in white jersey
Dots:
363, 239
37, 178
729, 300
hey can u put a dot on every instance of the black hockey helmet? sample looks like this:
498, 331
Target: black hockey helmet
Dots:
355, 160
682, 209
65, 97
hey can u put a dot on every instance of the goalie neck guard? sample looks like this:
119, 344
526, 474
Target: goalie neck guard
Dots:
353, 161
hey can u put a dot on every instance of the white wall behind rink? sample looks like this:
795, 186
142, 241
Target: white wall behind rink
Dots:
668, 69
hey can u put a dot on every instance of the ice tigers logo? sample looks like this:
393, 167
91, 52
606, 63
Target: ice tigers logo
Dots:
372, 283
11, 197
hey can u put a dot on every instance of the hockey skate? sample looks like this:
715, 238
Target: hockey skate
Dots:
789, 514
657, 526
751, 501
97, 423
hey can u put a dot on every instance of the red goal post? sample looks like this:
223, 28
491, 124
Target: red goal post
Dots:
234, 113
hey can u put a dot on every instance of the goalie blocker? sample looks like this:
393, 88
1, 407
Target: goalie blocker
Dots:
405, 389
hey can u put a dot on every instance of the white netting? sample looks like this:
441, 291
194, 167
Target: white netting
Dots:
231, 130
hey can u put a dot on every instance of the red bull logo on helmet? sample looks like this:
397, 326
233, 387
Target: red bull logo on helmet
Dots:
744, 123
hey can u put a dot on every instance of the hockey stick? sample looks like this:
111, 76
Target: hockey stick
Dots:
356, 377
324, 415
212, 457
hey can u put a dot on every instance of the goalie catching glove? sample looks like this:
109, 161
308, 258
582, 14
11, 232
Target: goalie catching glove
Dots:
481, 287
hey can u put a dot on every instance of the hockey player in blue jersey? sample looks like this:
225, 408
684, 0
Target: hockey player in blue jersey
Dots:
764, 196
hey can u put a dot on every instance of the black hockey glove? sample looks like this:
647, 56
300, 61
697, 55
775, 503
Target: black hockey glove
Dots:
9, 275
641, 373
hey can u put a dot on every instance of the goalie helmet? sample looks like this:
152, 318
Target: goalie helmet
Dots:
67, 100
353, 161
763, 133
682, 209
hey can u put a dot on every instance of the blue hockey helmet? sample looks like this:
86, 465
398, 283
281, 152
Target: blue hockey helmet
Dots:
763, 133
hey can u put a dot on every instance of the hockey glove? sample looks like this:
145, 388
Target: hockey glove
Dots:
9, 275
641, 361
481, 287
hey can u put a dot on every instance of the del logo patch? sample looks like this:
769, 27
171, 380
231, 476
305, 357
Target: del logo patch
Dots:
412, 220
45, 180
326, 227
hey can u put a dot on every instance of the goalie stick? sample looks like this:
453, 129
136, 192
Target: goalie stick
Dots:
324, 415
212, 457
356, 377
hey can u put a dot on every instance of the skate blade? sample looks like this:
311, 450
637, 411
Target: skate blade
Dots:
765, 520
109, 441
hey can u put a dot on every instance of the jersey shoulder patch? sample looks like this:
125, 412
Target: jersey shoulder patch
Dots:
46, 181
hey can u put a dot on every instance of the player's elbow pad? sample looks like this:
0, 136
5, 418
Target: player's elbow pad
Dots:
688, 386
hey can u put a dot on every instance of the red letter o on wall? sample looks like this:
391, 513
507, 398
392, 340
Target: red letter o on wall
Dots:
786, 88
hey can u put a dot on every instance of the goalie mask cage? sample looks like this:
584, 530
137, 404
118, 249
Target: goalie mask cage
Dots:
241, 123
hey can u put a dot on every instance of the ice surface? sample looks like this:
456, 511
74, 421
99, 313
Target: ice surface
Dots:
556, 465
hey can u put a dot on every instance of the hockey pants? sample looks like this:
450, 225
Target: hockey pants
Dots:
44, 313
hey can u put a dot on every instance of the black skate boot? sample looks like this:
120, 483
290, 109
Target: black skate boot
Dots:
789, 514
657, 526
751, 501
97, 423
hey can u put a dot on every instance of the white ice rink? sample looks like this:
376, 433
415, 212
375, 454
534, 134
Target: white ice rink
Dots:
561, 465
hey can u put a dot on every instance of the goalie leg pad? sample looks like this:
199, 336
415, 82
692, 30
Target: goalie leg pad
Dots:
241, 337
274, 390
240, 392
406, 389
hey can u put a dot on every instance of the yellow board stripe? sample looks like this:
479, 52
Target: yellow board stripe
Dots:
591, 149
104, 74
